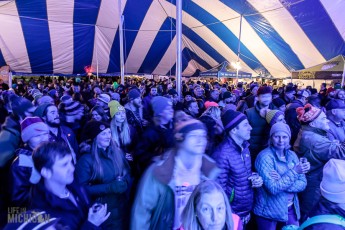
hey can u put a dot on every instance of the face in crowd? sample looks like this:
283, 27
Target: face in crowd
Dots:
211, 211
52, 117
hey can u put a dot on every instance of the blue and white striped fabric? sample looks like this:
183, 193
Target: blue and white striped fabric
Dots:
64, 36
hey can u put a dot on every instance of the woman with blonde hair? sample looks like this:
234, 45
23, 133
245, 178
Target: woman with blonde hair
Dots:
208, 208
122, 133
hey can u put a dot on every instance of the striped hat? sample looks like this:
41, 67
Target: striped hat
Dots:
272, 116
186, 126
231, 119
32, 127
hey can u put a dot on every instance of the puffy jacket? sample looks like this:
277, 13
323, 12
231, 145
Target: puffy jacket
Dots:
315, 145
154, 206
22, 176
326, 207
235, 165
271, 199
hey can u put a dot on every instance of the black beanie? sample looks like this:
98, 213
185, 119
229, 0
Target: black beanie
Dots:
231, 119
20, 105
93, 128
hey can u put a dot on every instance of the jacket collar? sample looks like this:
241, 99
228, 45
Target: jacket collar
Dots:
164, 172
240, 148
314, 130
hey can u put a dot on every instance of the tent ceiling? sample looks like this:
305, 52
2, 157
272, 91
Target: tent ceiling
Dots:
62, 37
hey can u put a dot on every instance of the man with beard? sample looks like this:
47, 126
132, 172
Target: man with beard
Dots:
57, 132
259, 135
134, 111
146, 102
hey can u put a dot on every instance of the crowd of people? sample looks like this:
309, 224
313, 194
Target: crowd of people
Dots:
96, 154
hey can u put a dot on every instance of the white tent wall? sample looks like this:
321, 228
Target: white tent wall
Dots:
62, 37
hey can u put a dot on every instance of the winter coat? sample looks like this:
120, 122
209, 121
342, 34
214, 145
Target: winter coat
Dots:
154, 206
291, 119
10, 140
75, 217
314, 144
326, 207
99, 190
23, 176
154, 142
235, 164
65, 134
259, 135
336, 131
271, 199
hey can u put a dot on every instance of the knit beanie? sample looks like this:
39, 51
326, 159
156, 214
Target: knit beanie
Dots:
19, 105
264, 90
333, 182
159, 103
280, 127
115, 107
226, 95
32, 127
186, 126
278, 102
272, 116
93, 128
307, 114
231, 119
133, 94
210, 103
104, 98
41, 109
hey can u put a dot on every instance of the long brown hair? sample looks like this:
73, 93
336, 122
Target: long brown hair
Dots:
121, 167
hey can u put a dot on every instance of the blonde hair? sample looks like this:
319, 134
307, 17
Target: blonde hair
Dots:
123, 137
213, 112
189, 219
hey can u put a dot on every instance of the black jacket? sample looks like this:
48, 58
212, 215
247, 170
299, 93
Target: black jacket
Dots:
75, 217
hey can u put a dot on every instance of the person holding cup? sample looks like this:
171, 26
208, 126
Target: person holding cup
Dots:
276, 203
233, 157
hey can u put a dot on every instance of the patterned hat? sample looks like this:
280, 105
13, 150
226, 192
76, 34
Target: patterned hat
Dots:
32, 127
307, 114
272, 116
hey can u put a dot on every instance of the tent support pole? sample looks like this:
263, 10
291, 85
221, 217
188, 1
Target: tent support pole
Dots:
342, 78
178, 46
239, 47
96, 63
121, 44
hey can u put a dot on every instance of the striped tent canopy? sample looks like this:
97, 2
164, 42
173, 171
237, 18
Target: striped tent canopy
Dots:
65, 36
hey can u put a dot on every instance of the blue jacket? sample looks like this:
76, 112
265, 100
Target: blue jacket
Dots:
271, 200
235, 164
